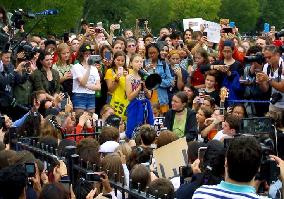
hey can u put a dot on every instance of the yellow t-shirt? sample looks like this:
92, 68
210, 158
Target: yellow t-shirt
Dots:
119, 101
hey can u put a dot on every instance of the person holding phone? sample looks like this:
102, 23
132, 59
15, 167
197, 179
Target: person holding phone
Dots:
154, 64
115, 80
180, 74
63, 66
86, 81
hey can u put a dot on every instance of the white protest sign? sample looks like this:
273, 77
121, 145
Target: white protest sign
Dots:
213, 31
193, 23
170, 157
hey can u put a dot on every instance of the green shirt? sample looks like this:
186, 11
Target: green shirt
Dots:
62, 69
179, 124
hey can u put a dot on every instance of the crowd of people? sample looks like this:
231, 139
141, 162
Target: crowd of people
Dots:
96, 81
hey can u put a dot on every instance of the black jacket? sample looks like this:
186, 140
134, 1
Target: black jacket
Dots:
190, 130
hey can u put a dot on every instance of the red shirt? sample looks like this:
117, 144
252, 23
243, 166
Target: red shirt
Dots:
197, 77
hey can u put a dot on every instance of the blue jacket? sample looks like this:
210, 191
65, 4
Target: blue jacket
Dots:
166, 81
232, 83
135, 115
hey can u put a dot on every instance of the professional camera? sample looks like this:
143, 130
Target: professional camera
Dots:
258, 57
275, 97
279, 34
28, 50
17, 18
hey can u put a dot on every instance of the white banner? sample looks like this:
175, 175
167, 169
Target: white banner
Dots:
193, 23
213, 31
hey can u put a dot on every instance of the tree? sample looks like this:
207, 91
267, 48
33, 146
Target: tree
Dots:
272, 13
67, 18
244, 13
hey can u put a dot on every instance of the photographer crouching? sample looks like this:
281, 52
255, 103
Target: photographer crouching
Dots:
9, 78
272, 77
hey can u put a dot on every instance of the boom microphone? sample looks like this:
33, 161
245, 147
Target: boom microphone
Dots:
48, 12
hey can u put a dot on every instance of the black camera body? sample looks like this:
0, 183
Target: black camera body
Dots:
275, 97
258, 57
279, 34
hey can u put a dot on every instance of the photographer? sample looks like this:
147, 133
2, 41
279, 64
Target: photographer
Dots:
242, 162
9, 78
272, 77
254, 64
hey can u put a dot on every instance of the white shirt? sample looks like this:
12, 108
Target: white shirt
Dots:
280, 103
219, 135
78, 71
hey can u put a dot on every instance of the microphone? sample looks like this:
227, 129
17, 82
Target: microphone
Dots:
48, 12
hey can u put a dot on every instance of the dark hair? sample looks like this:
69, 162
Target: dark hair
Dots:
82, 188
152, 45
175, 35
212, 73
189, 29
5, 19
41, 57
118, 54
254, 50
148, 134
5, 156
54, 191
21, 158
120, 39
103, 48
182, 96
139, 155
13, 180
62, 152
161, 187
147, 36
243, 158
203, 53
230, 44
192, 150
242, 106
140, 174
108, 133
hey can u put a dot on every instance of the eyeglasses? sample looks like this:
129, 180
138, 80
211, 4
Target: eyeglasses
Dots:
131, 45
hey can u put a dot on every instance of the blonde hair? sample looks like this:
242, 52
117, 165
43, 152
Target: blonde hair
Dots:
61, 47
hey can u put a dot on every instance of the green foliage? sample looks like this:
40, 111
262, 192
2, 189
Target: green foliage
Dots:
244, 13
68, 17
272, 13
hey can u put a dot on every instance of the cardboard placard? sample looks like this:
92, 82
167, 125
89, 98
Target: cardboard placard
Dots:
170, 157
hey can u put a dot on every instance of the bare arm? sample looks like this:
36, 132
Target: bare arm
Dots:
131, 94
83, 80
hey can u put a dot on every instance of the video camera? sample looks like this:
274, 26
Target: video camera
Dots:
17, 17
263, 130
258, 58
28, 50
279, 34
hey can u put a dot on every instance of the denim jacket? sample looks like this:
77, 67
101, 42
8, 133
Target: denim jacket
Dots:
167, 80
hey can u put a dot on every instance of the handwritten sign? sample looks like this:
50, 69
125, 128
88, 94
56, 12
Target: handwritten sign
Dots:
213, 31
193, 23
170, 157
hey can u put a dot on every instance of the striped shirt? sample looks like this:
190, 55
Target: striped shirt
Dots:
226, 190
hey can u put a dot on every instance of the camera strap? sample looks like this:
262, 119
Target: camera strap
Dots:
271, 73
